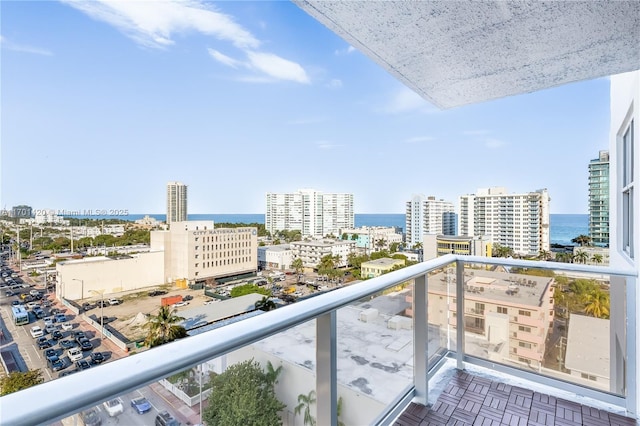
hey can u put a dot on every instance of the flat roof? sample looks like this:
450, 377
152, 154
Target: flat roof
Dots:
384, 261
277, 247
592, 334
216, 311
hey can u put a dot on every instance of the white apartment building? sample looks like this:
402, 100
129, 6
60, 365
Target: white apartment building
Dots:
176, 202
48, 217
517, 221
311, 252
427, 215
311, 212
372, 238
277, 257
196, 251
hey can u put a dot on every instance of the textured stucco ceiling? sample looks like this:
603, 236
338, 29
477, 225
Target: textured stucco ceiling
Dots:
460, 52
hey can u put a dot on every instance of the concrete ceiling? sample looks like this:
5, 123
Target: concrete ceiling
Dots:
455, 53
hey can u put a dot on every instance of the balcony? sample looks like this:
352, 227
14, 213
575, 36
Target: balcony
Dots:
378, 372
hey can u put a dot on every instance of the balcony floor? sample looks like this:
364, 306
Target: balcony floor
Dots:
469, 400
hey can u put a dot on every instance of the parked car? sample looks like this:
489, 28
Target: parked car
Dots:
57, 335
82, 365
55, 363
97, 358
67, 344
43, 343
179, 304
50, 328
79, 335
66, 326
36, 332
141, 405
60, 318
33, 305
165, 419
48, 353
39, 313
114, 407
157, 292
75, 354
87, 306
91, 417
114, 301
85, 344
48, 321
188, 297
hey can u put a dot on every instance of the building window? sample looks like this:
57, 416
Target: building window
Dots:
627, 188
525, 329
524, 345
502, 310
524, 313
588, 376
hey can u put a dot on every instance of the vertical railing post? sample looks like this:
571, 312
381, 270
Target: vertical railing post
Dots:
460, 314
420, 339
631, 371
326, 370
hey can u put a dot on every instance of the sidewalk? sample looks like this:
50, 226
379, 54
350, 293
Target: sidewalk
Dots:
185, 414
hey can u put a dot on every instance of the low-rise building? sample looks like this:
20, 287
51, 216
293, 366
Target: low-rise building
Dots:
598, 256
438, 245
311, 252
373, 238
591, 365
375, 268
277, 256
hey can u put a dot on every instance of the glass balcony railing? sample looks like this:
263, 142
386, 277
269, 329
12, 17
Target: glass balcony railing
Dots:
360, 354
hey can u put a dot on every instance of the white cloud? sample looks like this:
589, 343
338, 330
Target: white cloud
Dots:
346, 51
406, 100
493, 143
9, 45
277, 67
153, 23
334, 83
418, 139
224, 59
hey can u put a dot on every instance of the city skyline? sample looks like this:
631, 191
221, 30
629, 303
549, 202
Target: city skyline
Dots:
238, 99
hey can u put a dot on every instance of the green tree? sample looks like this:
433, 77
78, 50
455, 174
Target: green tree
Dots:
344, 236
597, 258
381, 243
501, 251
379, 254
243, 395
582, 240
394, 247
297, 265
354, 237
242, 290
272, 373
163, 328
417, 246
581, 256
20, 380
597, 304
265, 304
304, 403
544, 255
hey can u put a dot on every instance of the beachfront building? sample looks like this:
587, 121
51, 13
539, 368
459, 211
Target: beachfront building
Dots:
518, 221
599, 199
196, 251
277, 256
311, 212
372, 238
375, 268
438, 245
311, 252
428, 215
176, 202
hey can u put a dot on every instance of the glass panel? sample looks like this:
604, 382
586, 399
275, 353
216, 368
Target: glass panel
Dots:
552, 324
442, 312
375, 353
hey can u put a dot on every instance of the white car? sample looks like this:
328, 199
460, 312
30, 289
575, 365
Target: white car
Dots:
33, 305
177, 305
48, 321
74, 354
36, 332
66, 326
114, 407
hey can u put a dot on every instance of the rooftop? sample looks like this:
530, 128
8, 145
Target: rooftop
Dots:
593, 333
216, 311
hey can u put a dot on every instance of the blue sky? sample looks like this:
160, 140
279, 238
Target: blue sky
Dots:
104, 103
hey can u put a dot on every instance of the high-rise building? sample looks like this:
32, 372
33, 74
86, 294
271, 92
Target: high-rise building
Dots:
599, 199
176, 202
22, 212
310, 212
517, 221
426, 215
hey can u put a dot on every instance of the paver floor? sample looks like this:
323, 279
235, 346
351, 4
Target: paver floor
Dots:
469, 400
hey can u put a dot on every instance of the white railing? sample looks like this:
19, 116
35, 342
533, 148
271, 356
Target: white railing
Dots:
63, 397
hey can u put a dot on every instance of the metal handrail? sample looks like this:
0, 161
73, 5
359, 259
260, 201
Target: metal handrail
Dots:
63, 397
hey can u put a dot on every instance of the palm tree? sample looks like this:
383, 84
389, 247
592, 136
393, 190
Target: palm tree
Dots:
304, 402
581, 256
582, 240
544, 255
381, 243
597, 304
501, 251
272, 373
417, 246
163, 327
265, 304
297, 265
596, 258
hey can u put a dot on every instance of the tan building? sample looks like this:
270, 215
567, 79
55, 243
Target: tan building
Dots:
195, 251
512, 312
438, 245
375, 268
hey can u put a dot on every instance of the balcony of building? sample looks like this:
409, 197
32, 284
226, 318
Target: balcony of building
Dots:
351, 344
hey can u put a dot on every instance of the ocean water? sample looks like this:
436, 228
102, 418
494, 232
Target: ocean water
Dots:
564, 227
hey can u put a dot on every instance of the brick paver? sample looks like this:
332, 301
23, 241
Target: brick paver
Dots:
475, 401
